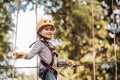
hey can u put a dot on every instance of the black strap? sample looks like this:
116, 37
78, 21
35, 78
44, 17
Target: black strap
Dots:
48, 66
32, 44
51, 49
45, 73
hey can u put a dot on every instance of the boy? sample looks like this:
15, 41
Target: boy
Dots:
48, 57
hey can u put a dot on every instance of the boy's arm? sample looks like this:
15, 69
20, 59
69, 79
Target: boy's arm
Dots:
63, 62
36, 49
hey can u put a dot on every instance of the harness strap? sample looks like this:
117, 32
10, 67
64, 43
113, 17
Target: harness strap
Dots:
32, 44
45, 73
48, 66
51, 49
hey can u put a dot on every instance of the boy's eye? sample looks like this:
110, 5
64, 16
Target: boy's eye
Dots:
46, 29
51, 29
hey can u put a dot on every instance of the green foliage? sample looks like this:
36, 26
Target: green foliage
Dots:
5, 27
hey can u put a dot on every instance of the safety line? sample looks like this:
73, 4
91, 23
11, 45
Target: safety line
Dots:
94, 73
14, 49
36, 7
115, 45
81, 64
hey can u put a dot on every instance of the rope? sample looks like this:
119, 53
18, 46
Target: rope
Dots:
14, 49
114, 43
93, 40
81, 64
36, 7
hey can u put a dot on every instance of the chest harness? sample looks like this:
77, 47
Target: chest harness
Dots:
45, 64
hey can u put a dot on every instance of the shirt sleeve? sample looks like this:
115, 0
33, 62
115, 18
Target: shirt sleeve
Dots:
62, 62
37, 47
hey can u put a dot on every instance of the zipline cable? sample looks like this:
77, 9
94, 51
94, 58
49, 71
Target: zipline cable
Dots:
115, 45
14, 48
81, 64
94, 73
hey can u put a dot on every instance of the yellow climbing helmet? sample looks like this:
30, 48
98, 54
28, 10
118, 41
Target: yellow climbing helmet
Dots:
44, 22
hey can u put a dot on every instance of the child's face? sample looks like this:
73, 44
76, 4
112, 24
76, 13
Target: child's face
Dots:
47, 32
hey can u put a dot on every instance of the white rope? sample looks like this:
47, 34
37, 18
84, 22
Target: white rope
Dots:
14, 48
36, 7
114, 43
94, 73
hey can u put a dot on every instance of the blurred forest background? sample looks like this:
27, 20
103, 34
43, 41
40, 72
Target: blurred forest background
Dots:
74, 26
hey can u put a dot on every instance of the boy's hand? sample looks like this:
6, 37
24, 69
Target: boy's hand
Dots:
70, 62
17, 55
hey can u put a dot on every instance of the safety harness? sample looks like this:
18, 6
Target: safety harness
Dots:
45, 64
49, 66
